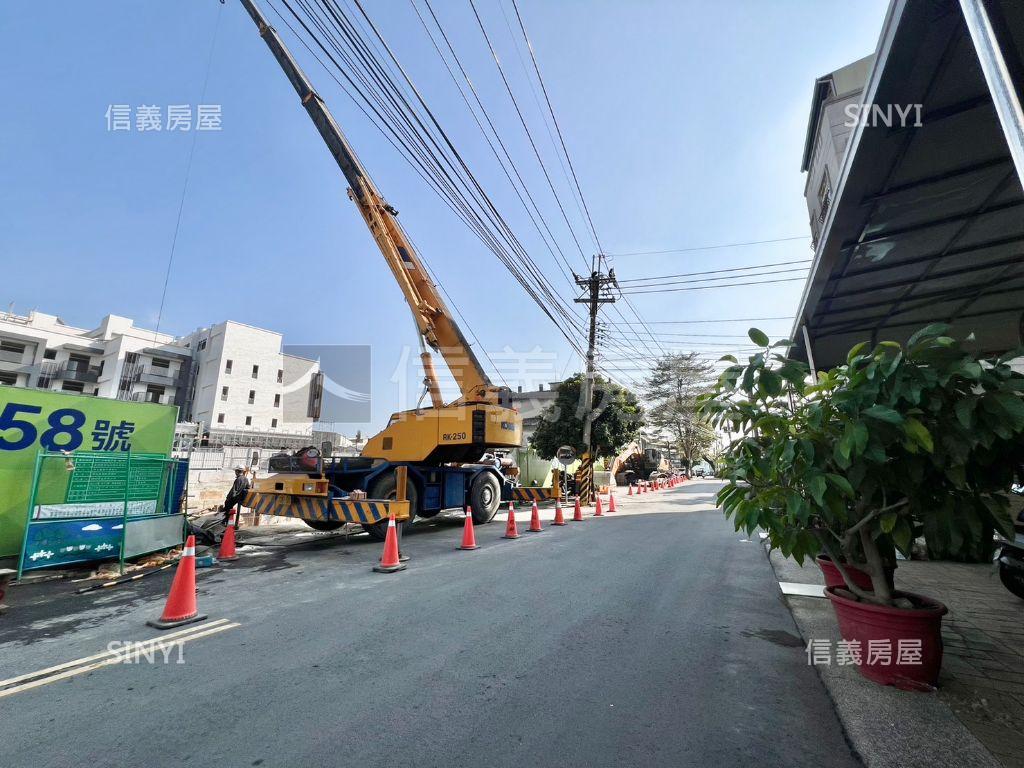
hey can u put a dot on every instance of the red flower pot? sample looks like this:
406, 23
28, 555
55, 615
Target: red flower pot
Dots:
898, 646
861, 579
833, 578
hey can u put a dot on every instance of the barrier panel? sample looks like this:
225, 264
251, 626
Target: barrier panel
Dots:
100, 505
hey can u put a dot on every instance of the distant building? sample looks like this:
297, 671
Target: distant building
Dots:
828, 133
246, 391
532, 404
232, 378
115, 360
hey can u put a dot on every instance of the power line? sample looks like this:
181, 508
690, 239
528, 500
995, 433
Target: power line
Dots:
558, 128
722, 280
720, 320
728, 285
522, 119
718, 271
436, 160
188, 176
712, 247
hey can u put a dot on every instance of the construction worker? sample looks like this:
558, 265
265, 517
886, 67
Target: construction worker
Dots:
237, 493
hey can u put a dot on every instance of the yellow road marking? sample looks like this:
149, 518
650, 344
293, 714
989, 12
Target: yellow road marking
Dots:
80, 666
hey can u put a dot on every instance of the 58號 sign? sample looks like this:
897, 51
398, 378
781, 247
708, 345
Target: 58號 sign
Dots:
65, 430
37, 420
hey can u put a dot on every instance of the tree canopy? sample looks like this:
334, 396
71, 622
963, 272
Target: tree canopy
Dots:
671, 391
618, 421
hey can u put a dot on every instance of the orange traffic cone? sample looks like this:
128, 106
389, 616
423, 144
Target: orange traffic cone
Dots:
227, 543
511, 532
559, 517
598, 511
181, 602
534, 520
577, 513
630, 490
389, 562
468, 534
611, 501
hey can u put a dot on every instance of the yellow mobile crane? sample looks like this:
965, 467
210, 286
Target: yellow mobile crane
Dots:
441, 445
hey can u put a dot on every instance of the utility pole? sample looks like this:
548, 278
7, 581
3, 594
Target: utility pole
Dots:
596, 293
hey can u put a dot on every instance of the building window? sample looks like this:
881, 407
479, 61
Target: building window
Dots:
223, 393
154, 394
277, 401
159, 362
78, 363
11, 379
273, 423
202, 344
50, 354
280, 376
227, 366
11, 351
255, 371
72, 386
824, 197
220, 418
248, 421
252, 396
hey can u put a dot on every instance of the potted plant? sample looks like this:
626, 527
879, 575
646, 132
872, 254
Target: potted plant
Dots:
895, 443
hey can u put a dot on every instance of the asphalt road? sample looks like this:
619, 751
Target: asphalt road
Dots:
654, 637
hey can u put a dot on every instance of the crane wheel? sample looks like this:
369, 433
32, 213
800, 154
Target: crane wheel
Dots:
327, 525
484, 498
324, 525
384, 488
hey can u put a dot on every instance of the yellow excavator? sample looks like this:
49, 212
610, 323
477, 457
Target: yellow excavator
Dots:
447, 448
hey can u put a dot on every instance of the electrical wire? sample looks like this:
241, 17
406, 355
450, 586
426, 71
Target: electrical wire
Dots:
717, 271
729, 285
188, 176
445, 171
713, 247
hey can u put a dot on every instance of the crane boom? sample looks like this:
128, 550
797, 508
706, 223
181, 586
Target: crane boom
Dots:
434, 322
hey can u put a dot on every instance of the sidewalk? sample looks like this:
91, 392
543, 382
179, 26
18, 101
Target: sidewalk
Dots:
977, 714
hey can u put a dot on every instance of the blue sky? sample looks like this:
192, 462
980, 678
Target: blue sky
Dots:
685, 121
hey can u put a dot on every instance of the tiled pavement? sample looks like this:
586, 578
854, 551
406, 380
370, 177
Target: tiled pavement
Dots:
982, 678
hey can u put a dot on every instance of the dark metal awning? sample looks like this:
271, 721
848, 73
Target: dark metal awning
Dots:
928, 222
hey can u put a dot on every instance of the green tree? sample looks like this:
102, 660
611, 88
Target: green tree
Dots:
618, 421
897, 442
671, 391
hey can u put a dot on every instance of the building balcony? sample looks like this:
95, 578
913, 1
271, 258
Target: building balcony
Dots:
149, 376
151, 397
18, 367
88, 374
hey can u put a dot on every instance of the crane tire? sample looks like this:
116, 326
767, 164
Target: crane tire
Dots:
484, 498
384, 488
